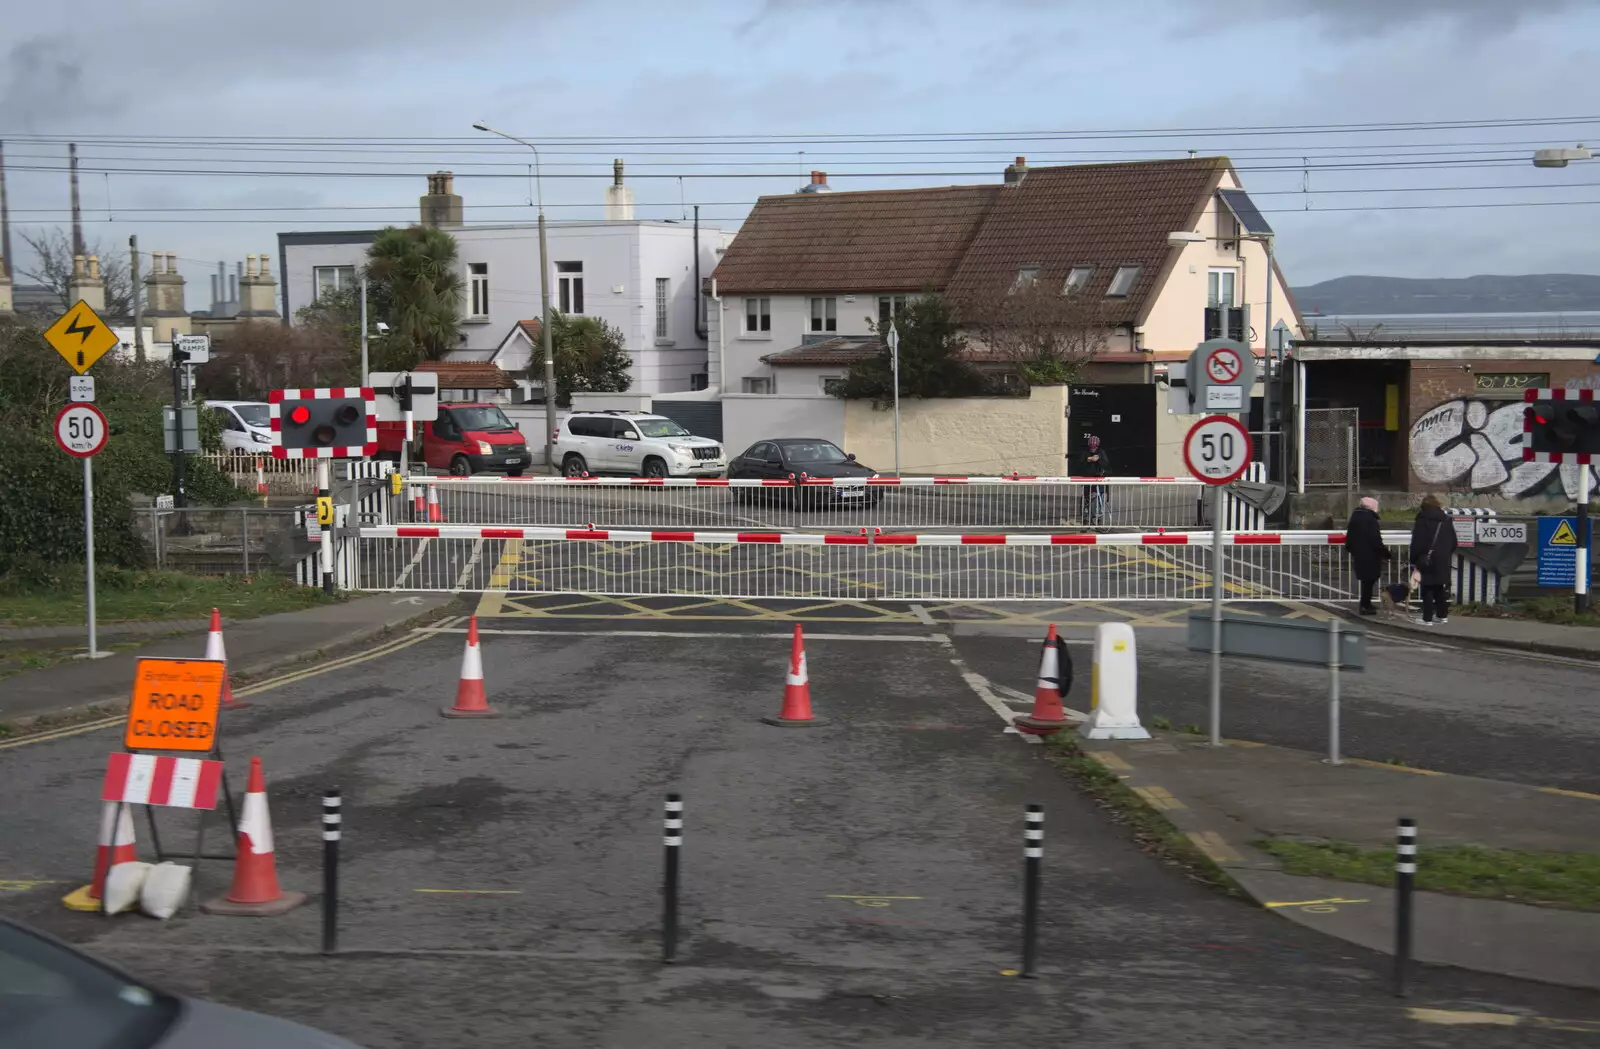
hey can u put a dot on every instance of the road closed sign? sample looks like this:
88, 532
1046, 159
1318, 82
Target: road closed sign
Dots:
175, 704
1217, 449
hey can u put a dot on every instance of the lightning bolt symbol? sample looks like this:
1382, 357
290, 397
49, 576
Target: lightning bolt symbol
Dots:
81, 331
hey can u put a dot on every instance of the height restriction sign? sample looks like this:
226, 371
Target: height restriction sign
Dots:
1217, 449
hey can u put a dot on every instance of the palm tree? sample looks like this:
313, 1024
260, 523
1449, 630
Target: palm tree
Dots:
417, 292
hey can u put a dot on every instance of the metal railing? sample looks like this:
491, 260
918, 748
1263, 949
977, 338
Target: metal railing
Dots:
1000, 503
222, 540
253, 473
1081, 566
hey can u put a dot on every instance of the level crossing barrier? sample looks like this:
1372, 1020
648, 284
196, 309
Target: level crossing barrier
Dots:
866, 565
1001, 503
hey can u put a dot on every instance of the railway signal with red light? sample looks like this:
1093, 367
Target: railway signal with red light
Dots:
1560, 425
336, 423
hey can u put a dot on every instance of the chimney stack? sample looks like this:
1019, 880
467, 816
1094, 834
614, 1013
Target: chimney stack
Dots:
619, 198
85, 284
1016, 172
818, 183
441, 206
163, 287
258, 292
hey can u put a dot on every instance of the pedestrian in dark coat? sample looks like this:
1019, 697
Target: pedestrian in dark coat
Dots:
1363, 541
1433, 551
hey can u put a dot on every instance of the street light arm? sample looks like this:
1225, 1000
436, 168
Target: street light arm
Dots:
538, 178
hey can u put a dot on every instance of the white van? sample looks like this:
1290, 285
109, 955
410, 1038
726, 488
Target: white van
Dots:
637, 444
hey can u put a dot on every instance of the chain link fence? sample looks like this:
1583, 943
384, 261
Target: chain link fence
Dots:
1333, 447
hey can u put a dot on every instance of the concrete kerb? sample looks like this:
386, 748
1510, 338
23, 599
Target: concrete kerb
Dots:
1379, 625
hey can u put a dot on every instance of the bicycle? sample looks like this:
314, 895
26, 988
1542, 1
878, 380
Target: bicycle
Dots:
1096, 507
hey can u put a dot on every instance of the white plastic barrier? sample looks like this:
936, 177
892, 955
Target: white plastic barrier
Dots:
1114, 686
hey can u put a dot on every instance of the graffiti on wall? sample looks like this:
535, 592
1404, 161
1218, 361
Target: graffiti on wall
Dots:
1477, 445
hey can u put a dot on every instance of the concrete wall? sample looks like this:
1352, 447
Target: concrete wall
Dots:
796, 381
748, 418
973, 436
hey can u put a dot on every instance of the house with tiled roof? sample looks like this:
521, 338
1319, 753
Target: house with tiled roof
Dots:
1174, 250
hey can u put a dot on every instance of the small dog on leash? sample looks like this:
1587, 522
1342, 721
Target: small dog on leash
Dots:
1395, 596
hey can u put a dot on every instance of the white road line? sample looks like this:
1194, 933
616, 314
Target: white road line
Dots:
1022, 699
922, 615
980, 686
422, 548
785, 635
472, 562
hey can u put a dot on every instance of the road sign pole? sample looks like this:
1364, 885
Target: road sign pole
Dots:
88, 550
1580, 570
178, 498
1217, 568
325, 554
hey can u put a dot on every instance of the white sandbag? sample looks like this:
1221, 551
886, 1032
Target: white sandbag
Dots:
165, 888
123, 884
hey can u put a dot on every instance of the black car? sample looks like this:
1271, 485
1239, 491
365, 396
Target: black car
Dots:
783, 458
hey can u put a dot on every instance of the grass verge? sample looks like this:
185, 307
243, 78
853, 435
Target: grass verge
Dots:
1150, 830
122, 596
51, 722
1553, 609
1568, 880
16, 661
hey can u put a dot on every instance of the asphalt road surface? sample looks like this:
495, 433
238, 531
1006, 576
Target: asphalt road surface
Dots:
855, 883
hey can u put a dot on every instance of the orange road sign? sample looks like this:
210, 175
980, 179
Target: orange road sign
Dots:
175, 704
81, 337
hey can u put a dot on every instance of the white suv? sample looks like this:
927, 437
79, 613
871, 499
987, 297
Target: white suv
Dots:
637, 444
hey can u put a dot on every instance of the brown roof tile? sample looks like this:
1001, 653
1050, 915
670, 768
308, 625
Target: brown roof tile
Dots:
879, 240
1100, 215
842, 350
468, 375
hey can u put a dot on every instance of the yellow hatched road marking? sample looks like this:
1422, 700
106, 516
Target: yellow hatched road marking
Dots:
1212, 844
1110, 760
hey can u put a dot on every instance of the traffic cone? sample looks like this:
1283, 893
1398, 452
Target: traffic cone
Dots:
116, 846
419, 503
1055, 678
435, 511
796, 690
255, 892
470, 699
215, 650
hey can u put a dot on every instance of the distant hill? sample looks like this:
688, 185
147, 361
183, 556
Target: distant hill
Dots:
1387, 296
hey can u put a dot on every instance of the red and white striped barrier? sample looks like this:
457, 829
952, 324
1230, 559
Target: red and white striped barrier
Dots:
1200, 539
149, 779
780, 482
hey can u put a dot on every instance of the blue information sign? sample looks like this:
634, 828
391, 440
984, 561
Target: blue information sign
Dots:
1558, 550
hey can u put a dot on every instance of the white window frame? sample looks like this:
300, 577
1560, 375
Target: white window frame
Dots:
478, 288
1214, 282
663, 290
824, 314
343, 277
570, 288
764, 385
825, 381
890, 307
760, 308
1126, 279
1078, 278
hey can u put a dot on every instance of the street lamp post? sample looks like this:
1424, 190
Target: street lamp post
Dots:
1560, 157
894, 363
544, 306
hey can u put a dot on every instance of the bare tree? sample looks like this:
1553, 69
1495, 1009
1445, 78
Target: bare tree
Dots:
52, 267
1048, 333
254, 358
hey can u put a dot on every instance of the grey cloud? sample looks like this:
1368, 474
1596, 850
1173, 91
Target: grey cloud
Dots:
43, 80
1374, 17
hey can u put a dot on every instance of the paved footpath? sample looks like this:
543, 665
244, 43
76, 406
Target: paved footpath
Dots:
855, 883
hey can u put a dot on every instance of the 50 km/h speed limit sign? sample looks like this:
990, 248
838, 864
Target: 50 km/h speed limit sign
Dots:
1217, 449
81, 429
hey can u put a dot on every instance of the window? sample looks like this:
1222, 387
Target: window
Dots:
228, 420
584, 428
765, 452
833, 385
662, 428
1122, 282
825, 314
814, 452
1219, 287
757, 315
889, 307
569, 275
333, 278
700, 381
662, 284
1077, 279
1027, 277
761, 385
478, 282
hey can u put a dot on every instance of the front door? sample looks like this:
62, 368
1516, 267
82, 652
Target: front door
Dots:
1123, 416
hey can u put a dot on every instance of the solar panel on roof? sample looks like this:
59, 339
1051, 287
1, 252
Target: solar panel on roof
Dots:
1244, 209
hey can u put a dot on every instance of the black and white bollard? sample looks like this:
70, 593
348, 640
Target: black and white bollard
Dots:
672, 827
1033, 857
1405, 870
331, 824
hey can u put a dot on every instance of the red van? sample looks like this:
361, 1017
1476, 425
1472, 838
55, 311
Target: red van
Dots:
465, 439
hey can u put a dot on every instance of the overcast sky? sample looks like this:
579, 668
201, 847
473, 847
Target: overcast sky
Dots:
740, 88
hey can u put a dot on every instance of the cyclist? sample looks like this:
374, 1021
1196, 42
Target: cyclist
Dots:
1094, 463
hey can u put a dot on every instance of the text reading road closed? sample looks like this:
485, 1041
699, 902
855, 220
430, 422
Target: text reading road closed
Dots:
175, 704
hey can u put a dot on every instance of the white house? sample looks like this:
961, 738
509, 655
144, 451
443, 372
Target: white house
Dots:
640, 276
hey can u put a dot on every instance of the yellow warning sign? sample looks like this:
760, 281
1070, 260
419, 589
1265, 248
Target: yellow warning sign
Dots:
324, 510
1564, 535
81, 337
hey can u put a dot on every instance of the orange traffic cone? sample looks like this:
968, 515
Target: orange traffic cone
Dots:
214, 650
1055, 679
470, 699
419, 503
435, 511
116, 846
796, 689
255, 891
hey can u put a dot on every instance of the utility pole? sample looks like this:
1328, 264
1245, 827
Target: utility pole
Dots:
1266, 389
138, 300
77, 214
364, 369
